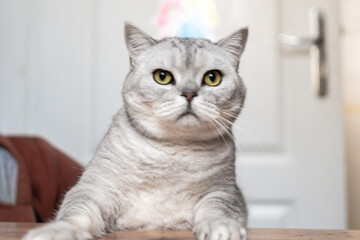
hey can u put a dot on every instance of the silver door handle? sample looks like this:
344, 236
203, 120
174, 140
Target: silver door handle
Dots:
316, 45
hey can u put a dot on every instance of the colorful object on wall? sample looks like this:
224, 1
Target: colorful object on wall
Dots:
187, 18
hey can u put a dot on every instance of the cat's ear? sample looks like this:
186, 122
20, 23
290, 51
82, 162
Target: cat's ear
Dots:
235, 44
136, 40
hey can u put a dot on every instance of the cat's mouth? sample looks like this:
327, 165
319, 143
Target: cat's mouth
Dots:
187, 113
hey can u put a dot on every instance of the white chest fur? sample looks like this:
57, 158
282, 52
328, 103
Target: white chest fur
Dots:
158, 209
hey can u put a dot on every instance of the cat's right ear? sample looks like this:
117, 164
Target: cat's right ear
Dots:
235, 44
136, 40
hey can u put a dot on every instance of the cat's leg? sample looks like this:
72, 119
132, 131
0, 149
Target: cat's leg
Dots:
84, 214
220, 216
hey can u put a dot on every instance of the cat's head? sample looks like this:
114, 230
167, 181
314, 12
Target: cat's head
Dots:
183, 88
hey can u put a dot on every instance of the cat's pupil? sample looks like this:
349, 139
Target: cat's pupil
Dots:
162, 75
212, 77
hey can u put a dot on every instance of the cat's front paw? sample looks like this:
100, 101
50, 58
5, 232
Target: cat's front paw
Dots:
57, 231
219, 229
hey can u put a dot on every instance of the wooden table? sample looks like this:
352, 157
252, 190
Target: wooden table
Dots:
14, 231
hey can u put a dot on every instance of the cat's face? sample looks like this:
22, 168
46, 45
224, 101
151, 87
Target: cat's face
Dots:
183, 88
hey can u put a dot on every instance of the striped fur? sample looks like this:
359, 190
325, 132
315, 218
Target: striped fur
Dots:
157, 168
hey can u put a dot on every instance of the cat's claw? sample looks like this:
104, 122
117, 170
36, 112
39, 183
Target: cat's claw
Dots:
57, 231
219, 229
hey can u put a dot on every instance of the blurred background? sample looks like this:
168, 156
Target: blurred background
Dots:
63, 62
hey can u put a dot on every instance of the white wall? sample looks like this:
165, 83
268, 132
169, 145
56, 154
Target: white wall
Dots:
60, 61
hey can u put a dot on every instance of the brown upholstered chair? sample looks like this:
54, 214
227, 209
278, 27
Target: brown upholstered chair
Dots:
44, 174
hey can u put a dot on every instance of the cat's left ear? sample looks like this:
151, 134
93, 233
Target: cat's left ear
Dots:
235, 44
136, 40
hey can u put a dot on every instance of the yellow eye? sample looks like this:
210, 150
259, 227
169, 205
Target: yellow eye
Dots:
212, 78
163, 77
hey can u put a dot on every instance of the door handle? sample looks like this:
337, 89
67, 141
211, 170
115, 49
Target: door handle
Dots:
316, 45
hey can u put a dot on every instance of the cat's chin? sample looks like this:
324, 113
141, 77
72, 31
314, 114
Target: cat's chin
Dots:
188, 127
188, 120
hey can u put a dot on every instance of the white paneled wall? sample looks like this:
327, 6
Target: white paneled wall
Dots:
13, 61
61, 62
46, 87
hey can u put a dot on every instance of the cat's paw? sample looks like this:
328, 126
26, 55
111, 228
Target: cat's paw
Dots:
219, 229
57, 231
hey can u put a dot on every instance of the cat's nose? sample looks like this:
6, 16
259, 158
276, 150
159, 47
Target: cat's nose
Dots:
189, 95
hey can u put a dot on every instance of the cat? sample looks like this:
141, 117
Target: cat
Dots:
168, 160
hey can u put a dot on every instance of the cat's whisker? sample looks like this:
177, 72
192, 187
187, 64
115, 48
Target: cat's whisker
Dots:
240, 120
218, 130
254, 114
168, 111
210, 107
252, 138
213, 128
226, 129
212, 121
229, 114
219, 127
140, 114
241, 152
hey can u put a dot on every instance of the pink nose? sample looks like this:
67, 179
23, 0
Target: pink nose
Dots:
189, 95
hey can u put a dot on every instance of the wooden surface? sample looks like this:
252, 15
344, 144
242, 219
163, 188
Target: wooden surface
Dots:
14, 231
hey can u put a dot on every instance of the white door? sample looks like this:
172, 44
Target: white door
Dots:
63, 63
291, 155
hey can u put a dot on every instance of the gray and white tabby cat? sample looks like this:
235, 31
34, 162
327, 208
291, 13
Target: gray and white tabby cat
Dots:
168, 159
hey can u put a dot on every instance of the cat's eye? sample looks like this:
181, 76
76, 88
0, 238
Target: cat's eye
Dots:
212, 78
163, 77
